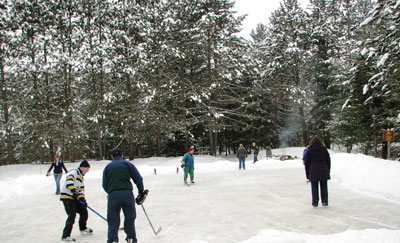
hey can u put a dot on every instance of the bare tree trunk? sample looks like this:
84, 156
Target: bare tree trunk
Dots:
100, 142
131, 145
215, 143
158, 140
211, 140
51, 145
303, 126
3, 89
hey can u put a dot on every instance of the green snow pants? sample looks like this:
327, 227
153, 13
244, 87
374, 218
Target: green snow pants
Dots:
188, 170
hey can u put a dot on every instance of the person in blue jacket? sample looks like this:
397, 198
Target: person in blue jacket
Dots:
188, 164
304, 160
117, 184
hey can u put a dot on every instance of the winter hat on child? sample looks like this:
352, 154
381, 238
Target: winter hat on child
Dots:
84, 164
190, 149
116, 152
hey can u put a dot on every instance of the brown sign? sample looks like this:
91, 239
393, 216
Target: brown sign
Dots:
388, 136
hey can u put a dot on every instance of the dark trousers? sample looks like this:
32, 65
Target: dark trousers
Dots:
116, 200
71, 208
315, 193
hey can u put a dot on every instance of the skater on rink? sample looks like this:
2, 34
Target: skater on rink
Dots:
188, 164
117, 184
73, 198
318, 168
241, 154
255, 150
58, 166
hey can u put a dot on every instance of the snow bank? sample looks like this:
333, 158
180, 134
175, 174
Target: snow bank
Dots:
377, 177
350, 236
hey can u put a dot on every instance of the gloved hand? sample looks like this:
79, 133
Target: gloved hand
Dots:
47, 174
83, 201
182, 164
75, 195
141, 197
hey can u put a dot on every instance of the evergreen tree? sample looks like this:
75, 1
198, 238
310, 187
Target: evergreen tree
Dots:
7, 79
285, 67
325, 18
351, 122
382, 51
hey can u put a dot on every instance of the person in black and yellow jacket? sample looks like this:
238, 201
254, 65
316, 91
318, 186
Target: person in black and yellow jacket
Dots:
73, 198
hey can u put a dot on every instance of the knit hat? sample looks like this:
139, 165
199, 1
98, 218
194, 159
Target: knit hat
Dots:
84, 163
190, 149
117, 152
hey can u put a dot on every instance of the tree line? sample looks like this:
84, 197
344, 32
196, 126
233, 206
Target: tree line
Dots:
155, 77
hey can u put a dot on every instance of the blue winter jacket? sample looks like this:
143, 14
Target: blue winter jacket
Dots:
189, 160
118, 174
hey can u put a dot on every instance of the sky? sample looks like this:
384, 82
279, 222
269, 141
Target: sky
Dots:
258, 11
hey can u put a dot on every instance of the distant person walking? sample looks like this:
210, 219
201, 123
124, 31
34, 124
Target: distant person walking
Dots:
268, 152
242, 154
318, 167
117, 184
304, 160
188, 165
255, 150
73, 198
58, 166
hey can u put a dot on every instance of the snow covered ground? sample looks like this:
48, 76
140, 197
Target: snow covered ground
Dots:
268, 202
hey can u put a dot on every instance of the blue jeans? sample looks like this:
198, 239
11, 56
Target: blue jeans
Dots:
255, 157
242, 161
57, 178
116, 200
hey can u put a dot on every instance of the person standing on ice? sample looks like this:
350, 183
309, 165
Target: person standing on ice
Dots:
254, 150
318, 167
241, 154
304, 160
188, 164
58, 166
117, 184
73, 198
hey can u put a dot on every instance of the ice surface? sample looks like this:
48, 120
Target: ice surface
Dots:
268, 202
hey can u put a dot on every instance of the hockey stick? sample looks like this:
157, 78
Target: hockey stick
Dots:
94, 211
148, 219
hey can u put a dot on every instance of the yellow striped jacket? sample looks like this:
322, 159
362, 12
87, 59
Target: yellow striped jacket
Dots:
73, 184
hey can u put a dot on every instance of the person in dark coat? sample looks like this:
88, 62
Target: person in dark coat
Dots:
318, 167
117, 177
58, 166
241, 154
255, 150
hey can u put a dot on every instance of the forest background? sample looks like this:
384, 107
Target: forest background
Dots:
155, 77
